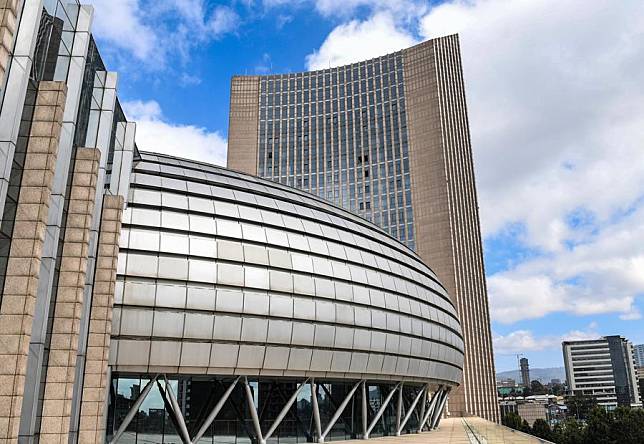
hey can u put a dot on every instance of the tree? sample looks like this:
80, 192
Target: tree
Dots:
537, 388
580, 406
542, 429
598, 427
557, 389
512, 420
569, 432
627, 425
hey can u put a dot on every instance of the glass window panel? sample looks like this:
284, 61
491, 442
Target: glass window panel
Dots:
168, 324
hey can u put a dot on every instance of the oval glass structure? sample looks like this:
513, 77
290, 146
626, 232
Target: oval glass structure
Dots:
222, 273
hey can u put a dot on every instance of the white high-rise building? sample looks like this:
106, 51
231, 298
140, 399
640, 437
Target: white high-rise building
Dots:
604, 369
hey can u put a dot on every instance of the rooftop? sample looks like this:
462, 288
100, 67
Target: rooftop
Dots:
472, 430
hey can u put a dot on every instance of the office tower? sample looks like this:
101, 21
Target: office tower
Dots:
274, 300
388, 139
525, 372
639, 355
65, 154
604, 369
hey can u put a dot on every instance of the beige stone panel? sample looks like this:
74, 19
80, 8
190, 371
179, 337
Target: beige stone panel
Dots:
59, 382
243, 124
446, 219
92, 421
23, 268
8, 18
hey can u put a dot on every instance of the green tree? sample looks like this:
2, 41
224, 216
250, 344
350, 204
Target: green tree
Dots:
542, 429
580, 406
598, 427
512, 420
537, 388
627, 425
557, 389
569, 432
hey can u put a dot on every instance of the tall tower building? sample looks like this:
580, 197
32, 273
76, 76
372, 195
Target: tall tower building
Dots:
388, 139
525, 372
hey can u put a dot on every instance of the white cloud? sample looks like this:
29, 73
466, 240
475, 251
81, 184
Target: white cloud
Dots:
556, 106
603, 274
154, 133
522, 341
121, 22
153, 31
359, 40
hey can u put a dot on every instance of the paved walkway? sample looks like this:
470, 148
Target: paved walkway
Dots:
470, 430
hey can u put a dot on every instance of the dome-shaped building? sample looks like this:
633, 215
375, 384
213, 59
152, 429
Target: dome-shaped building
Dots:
238, 298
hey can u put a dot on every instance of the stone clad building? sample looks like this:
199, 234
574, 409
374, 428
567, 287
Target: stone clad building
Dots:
388, 139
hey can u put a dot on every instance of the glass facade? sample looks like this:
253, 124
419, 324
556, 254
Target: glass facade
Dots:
341, 133
197, 395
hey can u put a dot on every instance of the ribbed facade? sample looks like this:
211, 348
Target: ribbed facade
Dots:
222, 274
388, 139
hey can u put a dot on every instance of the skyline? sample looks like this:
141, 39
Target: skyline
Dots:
576, 249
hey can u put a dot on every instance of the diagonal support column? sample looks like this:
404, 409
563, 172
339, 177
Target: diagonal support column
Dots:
339, 411
284, 411
383, 407
215, 411
439, 410
316, 410
176, 411
410, 411
430, 409
253, 412
364, 412
399, 405
133, 410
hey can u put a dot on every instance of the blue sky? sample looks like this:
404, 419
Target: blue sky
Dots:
555, 112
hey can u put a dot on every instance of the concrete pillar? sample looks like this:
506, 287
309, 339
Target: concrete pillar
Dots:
59, 382
23, 268
95, 386
8, 16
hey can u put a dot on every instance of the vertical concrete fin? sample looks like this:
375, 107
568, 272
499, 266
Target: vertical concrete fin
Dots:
95, 382
59, 382
23, 269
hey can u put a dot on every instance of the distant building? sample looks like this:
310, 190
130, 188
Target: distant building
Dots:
604, 369
640, 380
638, 355
525, 372
531, 411
505, 382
